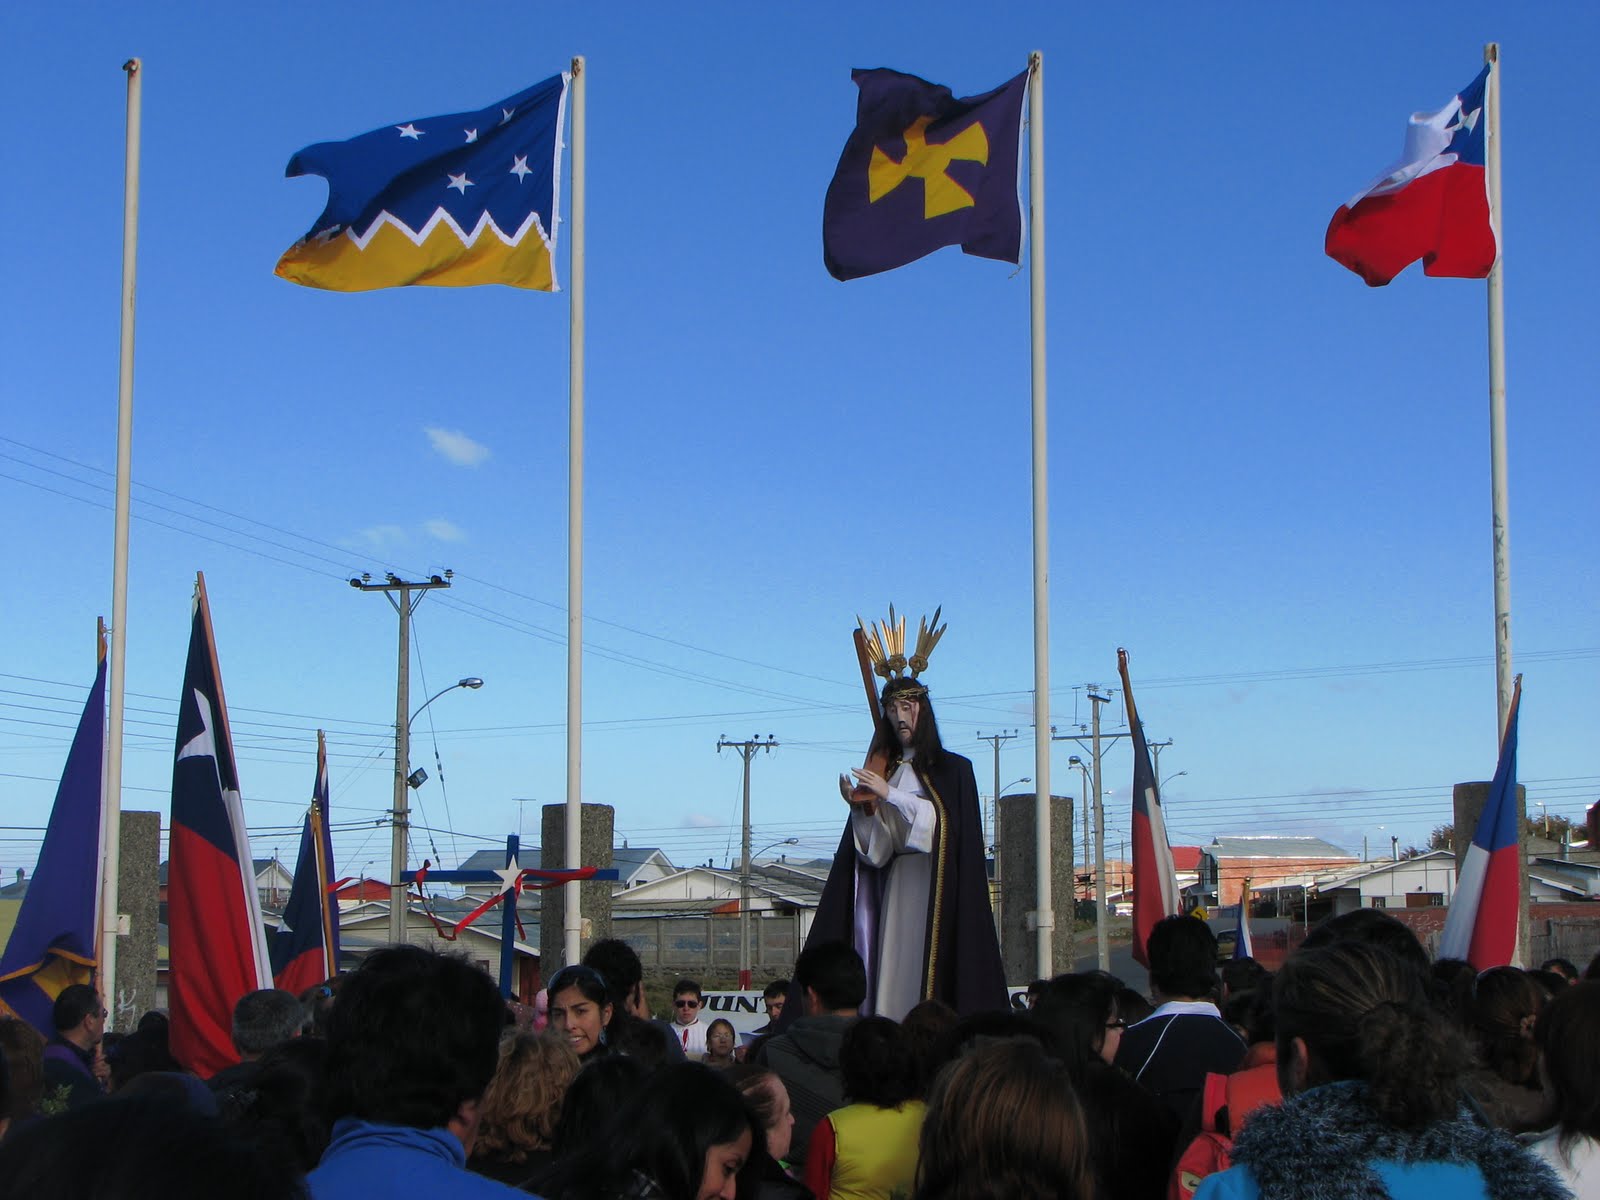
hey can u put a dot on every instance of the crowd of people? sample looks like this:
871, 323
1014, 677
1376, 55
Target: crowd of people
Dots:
1358, 1069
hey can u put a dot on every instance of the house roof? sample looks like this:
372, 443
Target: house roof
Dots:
1186, 858
1348, 876
1271, 845
257, 867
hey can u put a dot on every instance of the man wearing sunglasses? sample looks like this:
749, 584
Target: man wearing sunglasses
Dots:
75, 1071
687, 1001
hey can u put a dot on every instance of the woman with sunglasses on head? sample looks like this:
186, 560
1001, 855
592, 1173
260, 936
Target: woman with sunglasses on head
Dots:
1132, 1135
580, 1010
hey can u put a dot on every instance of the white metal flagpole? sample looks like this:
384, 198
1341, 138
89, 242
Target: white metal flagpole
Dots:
1497, 395
572, 925
1044, 914
111, 822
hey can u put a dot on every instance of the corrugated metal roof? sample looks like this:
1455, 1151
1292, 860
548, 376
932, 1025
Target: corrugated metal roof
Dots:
1269, 845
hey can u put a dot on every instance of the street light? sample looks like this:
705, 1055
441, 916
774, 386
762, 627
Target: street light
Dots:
402, 802
794, 841
1162, 786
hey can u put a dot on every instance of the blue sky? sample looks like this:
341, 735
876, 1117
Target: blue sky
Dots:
1268, 481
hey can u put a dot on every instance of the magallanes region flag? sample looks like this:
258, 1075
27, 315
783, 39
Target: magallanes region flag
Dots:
448, 201
923, 169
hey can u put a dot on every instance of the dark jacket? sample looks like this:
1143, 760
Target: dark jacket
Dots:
69, 1080
1171, 1053
806, 1058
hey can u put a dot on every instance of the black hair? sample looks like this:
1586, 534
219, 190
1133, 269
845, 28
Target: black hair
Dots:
1074, 1011
593, 1100
1133, 1006
1569, 1035
412, 1035
1564, 967
1183, 957
924, 1033
1503, 1007
1243, 975
1363, 1014
662, 1133
620, 966
591, 985
925, 744
1373, 927
142, 1051
644, 1041
874, 1063
685, 987
778, 987
73, 1003
835, 972
278, 1103
125, 1149
263, 1018
5, 1089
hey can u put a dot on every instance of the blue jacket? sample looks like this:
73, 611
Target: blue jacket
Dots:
366, 1159
1329, 1143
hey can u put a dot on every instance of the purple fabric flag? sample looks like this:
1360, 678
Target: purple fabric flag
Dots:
923, 169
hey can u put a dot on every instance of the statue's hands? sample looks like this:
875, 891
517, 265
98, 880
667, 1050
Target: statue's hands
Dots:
850, 791
872, 781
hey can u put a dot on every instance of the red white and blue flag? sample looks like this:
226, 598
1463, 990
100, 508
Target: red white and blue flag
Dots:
1155, 878
1481, 926
1243, 945
217, 947
1432, 204
305, 947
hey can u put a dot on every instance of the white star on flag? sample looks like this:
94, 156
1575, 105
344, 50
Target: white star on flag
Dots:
460, 182
520, 167
472, 135
509, 874
506, 115
408, 130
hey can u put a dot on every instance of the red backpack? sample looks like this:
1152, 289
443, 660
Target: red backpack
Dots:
1225, 1103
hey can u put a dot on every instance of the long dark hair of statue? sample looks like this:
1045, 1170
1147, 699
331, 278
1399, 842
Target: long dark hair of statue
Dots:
924, 738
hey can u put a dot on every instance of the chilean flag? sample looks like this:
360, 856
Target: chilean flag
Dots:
1433, 204
1481, 926
305, 948
1155, 879
217, 947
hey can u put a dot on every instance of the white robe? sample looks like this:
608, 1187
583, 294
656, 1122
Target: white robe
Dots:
898, 838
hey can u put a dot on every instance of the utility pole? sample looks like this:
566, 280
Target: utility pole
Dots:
1101, 934
996, 740
1155, 753
747, 750
392, 586
1093, 746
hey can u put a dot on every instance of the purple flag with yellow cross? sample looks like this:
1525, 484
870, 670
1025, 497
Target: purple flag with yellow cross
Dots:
923, 169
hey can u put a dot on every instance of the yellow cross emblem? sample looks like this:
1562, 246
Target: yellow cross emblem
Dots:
940, 193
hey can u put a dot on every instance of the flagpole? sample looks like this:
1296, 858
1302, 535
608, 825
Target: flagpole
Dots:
330, 967
111, 817
571, 918
1497, 396
1044, 916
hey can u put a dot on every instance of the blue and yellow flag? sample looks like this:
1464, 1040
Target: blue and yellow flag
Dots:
447, 201
923, 169
53, 944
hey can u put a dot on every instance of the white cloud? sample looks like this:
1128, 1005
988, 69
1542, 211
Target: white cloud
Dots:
456, 447
444, 531
700, 821
380, 537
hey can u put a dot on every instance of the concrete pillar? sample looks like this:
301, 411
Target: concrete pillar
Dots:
138, 898
1019, 885
1469, 800
594, 898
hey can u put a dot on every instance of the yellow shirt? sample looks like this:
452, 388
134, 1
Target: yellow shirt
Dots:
875, 1151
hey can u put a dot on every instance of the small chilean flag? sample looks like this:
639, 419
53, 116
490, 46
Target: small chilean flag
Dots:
305, 948
1155, 878
217, 947
1432, 204
1481, 926
1244, 945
